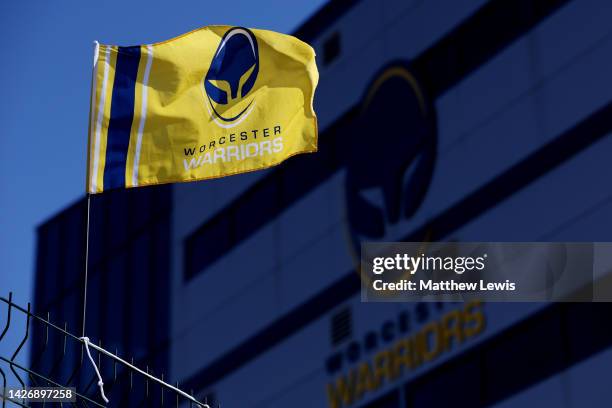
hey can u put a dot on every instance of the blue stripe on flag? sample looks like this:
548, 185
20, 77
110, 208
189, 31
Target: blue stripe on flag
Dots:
122, 114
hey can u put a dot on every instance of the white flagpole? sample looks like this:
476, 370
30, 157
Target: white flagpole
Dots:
86, 264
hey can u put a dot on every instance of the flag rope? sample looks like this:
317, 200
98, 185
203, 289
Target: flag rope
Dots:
100, 382
146, 374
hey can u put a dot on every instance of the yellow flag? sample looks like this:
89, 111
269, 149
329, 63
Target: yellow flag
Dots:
211, 103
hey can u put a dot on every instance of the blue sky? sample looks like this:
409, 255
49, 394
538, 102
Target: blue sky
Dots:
45, 68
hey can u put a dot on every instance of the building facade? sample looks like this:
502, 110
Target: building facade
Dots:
468, 120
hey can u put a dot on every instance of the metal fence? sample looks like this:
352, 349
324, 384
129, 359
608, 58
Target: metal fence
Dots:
63, 352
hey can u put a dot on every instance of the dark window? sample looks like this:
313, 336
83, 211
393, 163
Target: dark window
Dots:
389, 400
200, 248
524, 355
331, 48
460, 380
341, 326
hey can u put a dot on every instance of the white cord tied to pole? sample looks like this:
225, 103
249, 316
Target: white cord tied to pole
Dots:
138, 370
100, 382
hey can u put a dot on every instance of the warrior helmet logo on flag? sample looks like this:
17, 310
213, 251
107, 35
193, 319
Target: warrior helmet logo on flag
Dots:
231, 76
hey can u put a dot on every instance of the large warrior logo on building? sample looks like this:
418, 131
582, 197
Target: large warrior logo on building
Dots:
395, 135
231, 77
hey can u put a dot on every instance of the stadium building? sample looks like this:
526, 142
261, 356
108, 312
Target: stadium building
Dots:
439, 120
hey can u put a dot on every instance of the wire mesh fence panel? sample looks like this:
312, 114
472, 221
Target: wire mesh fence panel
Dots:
61, 360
